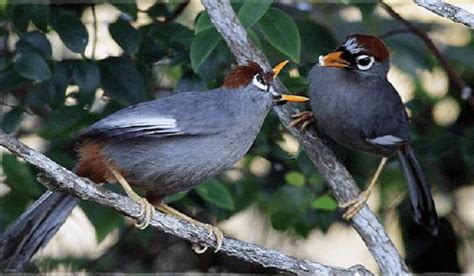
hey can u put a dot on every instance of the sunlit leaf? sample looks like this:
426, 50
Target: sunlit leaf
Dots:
216, 193
281, 32
202, 46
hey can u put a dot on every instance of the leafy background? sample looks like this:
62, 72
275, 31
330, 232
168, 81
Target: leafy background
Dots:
63, 67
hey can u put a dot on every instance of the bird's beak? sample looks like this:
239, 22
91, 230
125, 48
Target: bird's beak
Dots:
277, 69
333, 59
293, 98
282, 99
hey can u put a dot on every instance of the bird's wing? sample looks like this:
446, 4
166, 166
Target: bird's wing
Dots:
179, 114
391, 122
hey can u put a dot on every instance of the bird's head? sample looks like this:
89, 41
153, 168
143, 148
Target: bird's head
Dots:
366, 54
252, 74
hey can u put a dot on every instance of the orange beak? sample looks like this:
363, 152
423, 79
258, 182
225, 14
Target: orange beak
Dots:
277, 69
333, 59
293, 98
286, 98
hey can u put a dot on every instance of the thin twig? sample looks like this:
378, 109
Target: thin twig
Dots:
338, 178
395, 32
456, 79
66, 181
448, 11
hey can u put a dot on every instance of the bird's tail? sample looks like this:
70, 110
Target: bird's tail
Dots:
34, 228
421, 200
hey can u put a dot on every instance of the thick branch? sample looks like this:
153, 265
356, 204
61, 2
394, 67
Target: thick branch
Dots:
448, 11
339, 180
454, 76
66, 181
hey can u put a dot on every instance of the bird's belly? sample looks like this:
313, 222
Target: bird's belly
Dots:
167, 166
336, 116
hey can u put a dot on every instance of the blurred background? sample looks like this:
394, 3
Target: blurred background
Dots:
64, 66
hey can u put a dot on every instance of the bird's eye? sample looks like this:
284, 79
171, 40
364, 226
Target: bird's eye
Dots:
365, 62
259, 82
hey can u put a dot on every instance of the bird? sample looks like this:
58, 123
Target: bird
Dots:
355, 105
163, 147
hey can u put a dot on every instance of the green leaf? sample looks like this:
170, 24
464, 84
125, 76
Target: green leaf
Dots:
86, 75
31, 66
35, 42
125, 35
281, 32
325, 202
254, 37
71, 30
11, 119
10, 79
127, 7
203, 23
295, 178
202, 46
175, 197
121, 79
39, 16
252, 11
216, 193
19, 176
4, 63
20, 17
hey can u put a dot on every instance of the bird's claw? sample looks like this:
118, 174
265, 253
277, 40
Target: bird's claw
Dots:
355, 205
213, 230
147, 211
305, 118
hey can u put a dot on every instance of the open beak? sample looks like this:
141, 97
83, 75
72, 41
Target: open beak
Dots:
281, 99
333, 59
277, 69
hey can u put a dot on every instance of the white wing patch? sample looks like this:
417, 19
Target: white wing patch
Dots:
144, 123
386, 140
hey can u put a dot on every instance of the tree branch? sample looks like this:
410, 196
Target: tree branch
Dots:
339, 180
454, 76
66, 181
449, 11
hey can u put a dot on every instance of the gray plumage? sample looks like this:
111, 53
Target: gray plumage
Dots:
172, 144
352, 109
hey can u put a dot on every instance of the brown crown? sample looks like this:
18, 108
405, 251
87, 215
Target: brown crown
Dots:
242, 75
366, 44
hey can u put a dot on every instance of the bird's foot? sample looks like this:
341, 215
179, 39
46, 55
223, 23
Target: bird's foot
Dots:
305, 118
355, 205
213, 230
147, 212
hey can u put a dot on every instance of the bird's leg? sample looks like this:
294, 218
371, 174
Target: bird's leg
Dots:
304, 117
147, 209
354, 206
212, 229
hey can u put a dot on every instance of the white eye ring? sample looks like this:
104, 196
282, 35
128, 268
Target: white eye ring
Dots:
365, 66
258, 84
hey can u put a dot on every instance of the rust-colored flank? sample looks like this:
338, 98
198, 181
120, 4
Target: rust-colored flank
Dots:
92, 163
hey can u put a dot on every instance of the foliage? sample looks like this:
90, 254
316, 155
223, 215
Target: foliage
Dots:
290, 192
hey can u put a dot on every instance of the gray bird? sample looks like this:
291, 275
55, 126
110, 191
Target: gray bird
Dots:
356, 106
162, 147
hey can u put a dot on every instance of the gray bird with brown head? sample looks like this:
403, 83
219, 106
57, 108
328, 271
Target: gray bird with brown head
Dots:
356, 106
163, 147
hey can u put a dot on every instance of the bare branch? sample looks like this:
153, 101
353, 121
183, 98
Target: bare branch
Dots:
66, 181
448, 11
339, 180
454, 76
